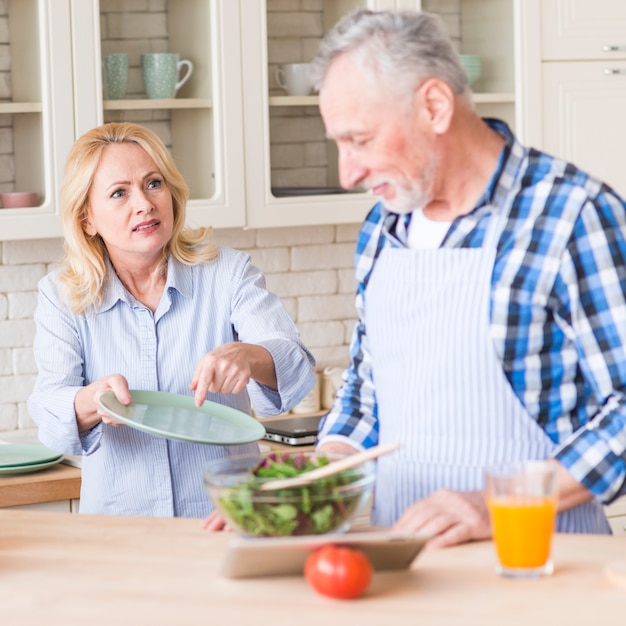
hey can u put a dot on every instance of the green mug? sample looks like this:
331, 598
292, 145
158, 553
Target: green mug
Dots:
161, 71
115, 75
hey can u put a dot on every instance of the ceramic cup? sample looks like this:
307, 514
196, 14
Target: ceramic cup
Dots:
161, 74
331, 381
294, 79
311, 402
18, 199
115, 75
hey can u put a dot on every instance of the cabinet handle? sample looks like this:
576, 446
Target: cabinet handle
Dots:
613, 48
612, 71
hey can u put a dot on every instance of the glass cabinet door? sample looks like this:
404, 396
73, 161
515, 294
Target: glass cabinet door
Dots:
200, 122
291, 168
35, 114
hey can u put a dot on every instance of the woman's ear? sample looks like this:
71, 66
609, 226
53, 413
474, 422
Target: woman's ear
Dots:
436, 101
88, 228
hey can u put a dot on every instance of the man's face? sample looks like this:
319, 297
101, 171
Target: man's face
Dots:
381, 144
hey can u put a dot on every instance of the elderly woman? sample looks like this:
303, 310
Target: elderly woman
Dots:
141, 302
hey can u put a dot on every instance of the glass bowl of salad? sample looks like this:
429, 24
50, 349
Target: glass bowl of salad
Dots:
327, 505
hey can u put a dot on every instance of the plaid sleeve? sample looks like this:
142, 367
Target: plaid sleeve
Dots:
354, 415
595, 454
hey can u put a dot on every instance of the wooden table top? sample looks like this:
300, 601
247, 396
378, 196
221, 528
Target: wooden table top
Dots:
59, 482
63, 569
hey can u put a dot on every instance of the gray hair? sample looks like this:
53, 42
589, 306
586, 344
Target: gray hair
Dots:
404, 47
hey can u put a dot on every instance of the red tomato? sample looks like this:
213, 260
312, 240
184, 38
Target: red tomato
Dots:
338, 572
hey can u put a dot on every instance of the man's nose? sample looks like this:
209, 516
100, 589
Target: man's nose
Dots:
351, 172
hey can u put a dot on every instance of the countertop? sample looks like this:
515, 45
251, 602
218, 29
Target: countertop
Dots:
59, 482
63, 569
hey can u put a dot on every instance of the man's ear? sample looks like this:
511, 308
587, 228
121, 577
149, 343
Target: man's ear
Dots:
436, 101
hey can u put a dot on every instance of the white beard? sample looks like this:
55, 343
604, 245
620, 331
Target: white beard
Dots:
418, 195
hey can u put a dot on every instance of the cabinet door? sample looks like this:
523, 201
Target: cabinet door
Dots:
487, 29
583, 29
36, 112
582, 102
291, 169
616, 514
202, 124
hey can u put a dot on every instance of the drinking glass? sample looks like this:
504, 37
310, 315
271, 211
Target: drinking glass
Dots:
522, 502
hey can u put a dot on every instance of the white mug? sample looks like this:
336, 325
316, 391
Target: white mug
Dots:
311, 402
332, 379
294, 79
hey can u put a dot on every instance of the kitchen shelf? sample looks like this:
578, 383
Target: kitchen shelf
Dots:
297, 101
20, 107
161, 103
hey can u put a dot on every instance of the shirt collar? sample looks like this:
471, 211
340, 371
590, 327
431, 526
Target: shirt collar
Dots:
179, 277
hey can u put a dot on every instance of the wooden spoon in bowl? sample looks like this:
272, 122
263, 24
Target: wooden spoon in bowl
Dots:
332, 468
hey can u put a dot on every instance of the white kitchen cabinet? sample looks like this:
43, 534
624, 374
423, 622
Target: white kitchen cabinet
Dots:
36, 111
57, 506
202, 125
575, 83
583, 103
234, 134
583, 29
286, 150
54, 94
285, 147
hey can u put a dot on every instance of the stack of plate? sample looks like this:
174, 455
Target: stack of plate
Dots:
471, 63
21, 458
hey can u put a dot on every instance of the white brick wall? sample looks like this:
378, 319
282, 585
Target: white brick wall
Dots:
310, 268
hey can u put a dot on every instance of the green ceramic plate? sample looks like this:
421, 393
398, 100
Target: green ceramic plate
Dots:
26, 469
175, 416
21, 454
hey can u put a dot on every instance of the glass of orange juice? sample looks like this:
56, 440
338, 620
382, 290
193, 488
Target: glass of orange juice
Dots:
522, 503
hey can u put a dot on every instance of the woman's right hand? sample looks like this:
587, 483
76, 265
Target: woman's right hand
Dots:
214, 521
88, 411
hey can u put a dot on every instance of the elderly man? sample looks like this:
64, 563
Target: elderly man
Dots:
490, 297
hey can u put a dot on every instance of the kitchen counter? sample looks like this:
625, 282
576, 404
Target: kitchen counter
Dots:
59, 482
62, 569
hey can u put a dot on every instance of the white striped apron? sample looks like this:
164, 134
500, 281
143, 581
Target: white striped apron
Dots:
440, 386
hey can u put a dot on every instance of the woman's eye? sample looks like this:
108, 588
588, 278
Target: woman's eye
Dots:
155, 184
118, 193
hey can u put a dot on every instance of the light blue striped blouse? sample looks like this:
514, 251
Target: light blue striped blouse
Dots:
125, 471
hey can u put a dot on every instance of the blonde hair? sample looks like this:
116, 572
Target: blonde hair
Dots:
84, 271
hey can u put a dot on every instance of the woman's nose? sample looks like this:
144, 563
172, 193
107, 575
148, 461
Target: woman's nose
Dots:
143, 202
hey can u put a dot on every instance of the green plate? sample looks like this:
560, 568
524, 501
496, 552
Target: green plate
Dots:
21, 454
176, 416
26, 469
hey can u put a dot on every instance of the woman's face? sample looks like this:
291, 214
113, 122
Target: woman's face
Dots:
129, 206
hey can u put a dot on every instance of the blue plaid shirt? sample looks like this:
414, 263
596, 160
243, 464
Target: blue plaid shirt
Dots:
558, 310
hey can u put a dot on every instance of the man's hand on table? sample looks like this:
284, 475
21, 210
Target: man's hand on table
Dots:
452, 517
